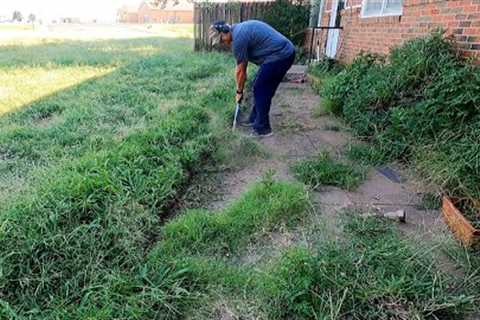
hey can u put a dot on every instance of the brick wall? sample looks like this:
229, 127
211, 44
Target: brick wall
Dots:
460, 18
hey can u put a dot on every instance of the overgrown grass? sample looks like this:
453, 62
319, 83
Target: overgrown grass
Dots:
98, 113
267, 206
372, 275
420, 105
365, 154
98, 215
323, 170
103, 162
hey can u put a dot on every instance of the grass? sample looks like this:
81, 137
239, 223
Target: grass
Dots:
373, 275
323, 170
365, 154
134, 81
89, 172
264, 208
431, 201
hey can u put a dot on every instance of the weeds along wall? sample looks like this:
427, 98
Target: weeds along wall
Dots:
423, 105
461, 19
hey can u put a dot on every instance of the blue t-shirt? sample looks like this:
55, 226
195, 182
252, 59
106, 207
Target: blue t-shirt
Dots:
257, 42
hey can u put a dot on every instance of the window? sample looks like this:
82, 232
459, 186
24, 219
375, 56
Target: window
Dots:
378, 8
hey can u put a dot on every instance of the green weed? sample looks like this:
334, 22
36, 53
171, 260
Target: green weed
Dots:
323, 170
431, 201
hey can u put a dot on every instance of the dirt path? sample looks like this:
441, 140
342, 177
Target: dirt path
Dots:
299, 135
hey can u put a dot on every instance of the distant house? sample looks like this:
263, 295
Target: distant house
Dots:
148, 13
377, 25
127, 14
70, 20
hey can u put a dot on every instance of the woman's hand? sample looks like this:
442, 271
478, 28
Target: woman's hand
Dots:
239, 97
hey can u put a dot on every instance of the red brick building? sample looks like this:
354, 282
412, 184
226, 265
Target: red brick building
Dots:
377, 25
181, 12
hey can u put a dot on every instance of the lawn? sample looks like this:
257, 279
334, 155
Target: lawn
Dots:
97, 138
61, 99
98, 141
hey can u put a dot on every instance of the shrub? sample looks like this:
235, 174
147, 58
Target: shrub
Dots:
290, 18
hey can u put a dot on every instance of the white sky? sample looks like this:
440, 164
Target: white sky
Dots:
103, 10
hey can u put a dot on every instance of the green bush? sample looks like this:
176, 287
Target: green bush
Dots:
290, 18
422, 103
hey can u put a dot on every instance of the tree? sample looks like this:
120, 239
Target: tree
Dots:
32, 18
17, 16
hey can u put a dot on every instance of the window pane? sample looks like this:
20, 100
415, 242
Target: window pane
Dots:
372, 8
393, 7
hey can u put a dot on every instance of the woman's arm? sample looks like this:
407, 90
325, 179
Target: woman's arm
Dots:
241, 76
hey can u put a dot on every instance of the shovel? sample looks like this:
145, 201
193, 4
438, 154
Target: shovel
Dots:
235, 116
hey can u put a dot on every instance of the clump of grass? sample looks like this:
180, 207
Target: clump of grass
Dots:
319, 111
431, 201
470, 211
323, 170
365, 154
265, 207
372, 275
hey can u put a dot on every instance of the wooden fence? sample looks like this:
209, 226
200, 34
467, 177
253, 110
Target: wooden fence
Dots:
205, 14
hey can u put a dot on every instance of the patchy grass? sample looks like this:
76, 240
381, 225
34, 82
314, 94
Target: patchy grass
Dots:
323, 170
265, 207
373, 275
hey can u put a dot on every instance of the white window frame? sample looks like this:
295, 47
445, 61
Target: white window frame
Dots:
381, 14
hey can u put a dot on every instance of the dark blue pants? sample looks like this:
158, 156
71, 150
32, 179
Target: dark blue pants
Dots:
266, 83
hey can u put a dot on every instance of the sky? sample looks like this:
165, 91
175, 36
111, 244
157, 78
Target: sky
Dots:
103, 10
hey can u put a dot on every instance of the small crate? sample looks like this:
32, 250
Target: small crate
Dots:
460, 226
